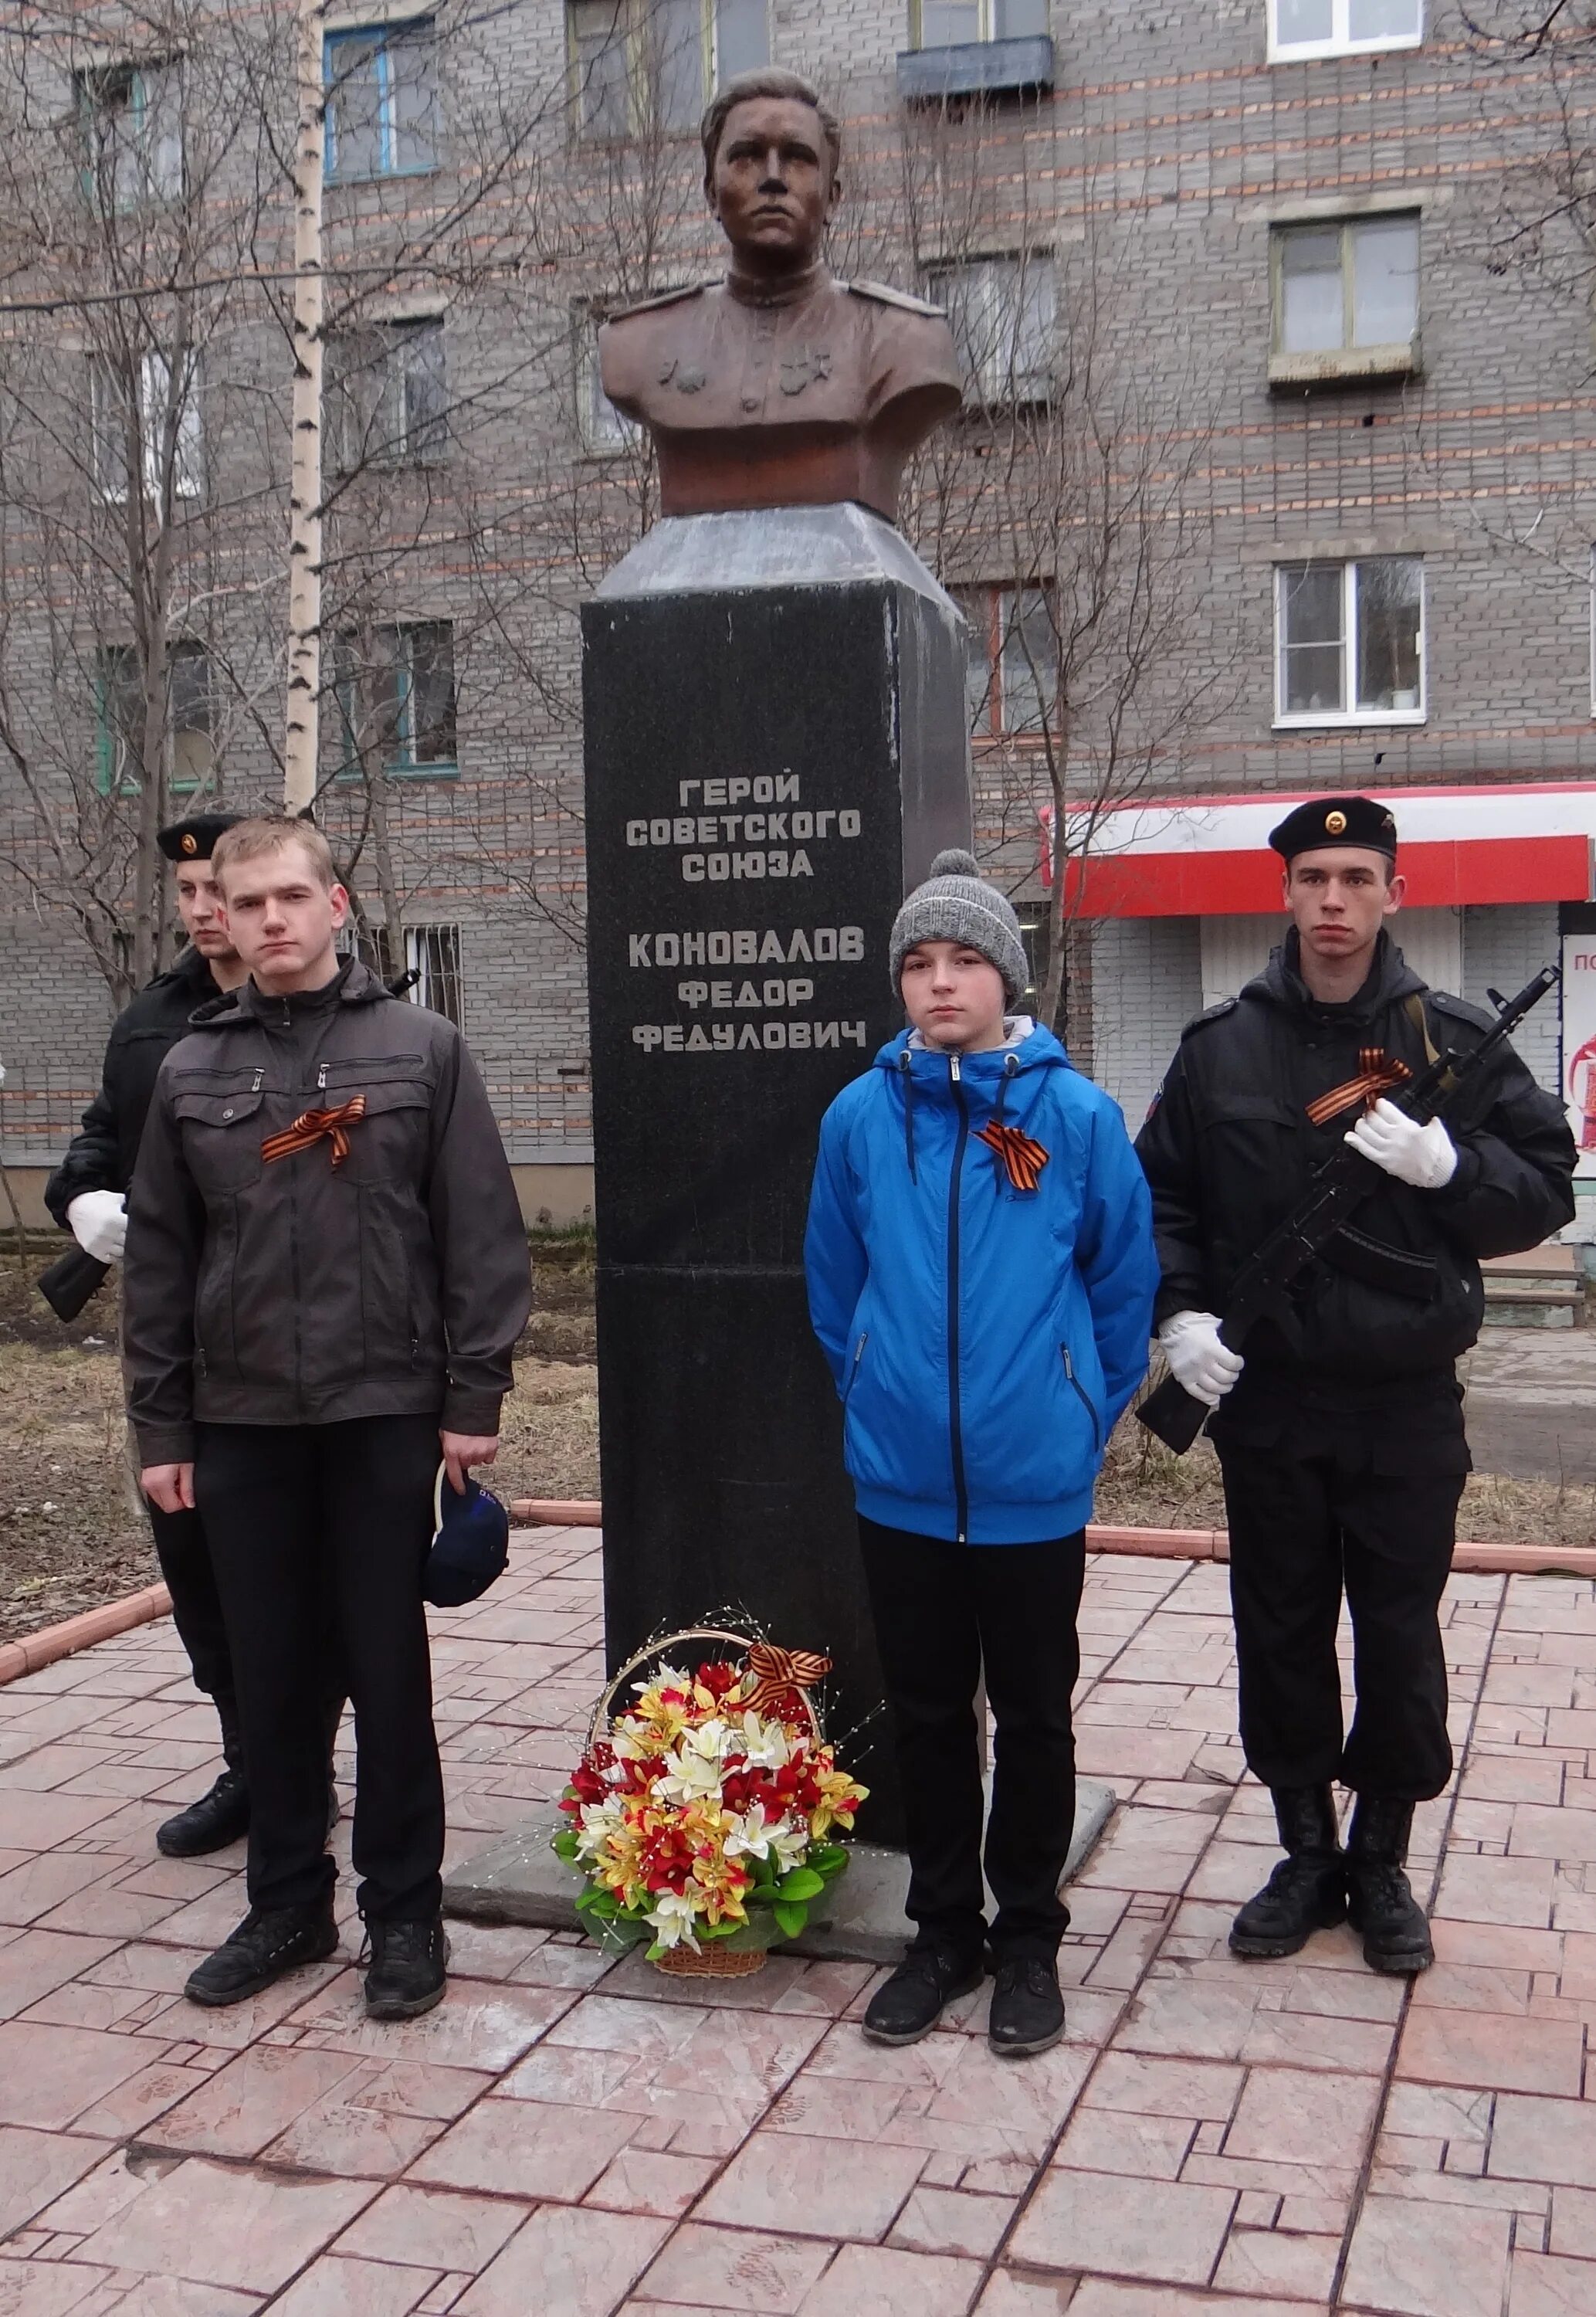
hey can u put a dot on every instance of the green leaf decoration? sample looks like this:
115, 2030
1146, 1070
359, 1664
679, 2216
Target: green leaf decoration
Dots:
563, 1846
803, 1883
828, 1859
793, 1916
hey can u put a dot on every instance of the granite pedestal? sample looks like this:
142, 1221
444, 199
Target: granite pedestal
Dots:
776, 744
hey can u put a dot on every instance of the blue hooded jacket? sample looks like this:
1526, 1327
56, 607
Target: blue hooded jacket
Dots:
984, 1337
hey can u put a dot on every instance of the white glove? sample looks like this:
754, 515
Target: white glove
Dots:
98, 1221
1424, 1155
1197, 1361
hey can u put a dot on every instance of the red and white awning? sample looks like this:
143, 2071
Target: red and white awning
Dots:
1209, 856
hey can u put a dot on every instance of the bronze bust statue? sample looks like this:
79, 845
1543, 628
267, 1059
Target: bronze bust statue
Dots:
780, 386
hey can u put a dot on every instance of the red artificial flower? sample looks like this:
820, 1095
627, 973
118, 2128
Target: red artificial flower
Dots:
718, 1678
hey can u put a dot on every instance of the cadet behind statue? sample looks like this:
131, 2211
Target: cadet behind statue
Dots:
1340, 1436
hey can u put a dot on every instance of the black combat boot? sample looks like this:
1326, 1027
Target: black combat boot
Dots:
911, 2002
221, 1815
409, 1968
268, 1942
1381, 1902
1307, 1892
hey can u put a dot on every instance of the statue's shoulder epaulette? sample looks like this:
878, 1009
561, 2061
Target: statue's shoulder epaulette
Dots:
661, 298
885, 295
1215, 1013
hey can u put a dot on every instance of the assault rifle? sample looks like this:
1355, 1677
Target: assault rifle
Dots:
1262, 1286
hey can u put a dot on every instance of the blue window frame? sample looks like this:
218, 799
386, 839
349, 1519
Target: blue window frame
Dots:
382, 102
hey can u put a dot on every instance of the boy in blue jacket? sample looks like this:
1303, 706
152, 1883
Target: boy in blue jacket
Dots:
981, 1277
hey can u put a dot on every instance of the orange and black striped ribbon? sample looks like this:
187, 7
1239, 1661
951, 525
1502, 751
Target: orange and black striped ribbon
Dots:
1023, 1159
310, 1128
776, 1677
1379, 1074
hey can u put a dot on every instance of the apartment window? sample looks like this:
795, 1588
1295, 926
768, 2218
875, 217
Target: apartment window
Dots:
131, 121
1012, 673
1351, 640
956, 23
118, 720
637, 63
389, 396
1342, 28
129, 410
1346, 287
432, 953
602, 427
382, 101
1001, 311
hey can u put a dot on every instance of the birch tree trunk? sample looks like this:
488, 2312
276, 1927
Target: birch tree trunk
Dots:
305, 517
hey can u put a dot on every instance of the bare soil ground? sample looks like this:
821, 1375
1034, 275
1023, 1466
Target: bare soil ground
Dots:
71, 1535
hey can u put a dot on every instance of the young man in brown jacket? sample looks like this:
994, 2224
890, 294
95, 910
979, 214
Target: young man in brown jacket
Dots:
325, 1273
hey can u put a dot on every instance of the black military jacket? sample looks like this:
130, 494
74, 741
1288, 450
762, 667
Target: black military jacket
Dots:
1228, 1149
101, 1154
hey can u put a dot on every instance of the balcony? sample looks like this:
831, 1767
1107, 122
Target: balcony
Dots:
975, 68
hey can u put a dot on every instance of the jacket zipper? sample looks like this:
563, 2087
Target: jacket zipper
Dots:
1084, 1396
857, 1355
954, 1418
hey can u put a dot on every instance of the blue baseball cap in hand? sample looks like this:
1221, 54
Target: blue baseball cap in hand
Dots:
470, 1542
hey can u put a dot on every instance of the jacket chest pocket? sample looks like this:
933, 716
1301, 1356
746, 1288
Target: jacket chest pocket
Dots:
221, 1135
389, 1142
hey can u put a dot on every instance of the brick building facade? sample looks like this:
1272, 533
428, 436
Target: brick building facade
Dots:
1277, 217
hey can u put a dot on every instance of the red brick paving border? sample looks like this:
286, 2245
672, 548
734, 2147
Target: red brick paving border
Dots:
74, 1633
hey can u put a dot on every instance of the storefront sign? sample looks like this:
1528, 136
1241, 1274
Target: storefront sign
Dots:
1579, 1044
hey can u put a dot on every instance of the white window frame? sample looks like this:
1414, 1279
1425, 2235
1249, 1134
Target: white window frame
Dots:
1320, 720
154, 385
632, 25
984, 38
987, 384
145, 101
1340, 42
418, 959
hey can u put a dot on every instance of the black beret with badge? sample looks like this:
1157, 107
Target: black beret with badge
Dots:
1335, 820
194, 840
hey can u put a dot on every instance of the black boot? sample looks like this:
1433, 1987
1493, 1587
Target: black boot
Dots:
1381, 1902
1307, 1892
268, 1942
911, 2002
1026, 2008
408, 1968
221, 1815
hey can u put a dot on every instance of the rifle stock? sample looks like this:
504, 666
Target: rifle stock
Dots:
1171, 1415
68, 1284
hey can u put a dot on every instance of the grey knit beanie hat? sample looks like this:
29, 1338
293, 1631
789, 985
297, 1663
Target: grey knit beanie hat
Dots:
954, 905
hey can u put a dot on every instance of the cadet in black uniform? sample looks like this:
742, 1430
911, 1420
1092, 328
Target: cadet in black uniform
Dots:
86, 1197
1340, 1437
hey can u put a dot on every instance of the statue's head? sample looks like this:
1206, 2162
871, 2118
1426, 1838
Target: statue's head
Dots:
771, 156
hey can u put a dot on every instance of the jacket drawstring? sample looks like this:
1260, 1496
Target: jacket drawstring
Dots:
908, 1078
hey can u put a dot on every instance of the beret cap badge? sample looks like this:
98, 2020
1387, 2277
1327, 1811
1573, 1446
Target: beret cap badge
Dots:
191, 843
1336, 824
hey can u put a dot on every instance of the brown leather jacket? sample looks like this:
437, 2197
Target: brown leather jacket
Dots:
287, 1290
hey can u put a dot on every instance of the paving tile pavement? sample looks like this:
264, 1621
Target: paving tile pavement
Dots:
1212, 2139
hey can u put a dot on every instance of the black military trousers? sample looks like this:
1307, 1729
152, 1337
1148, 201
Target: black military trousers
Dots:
302, 1518
943, 1612
1327, 1493
196, 1605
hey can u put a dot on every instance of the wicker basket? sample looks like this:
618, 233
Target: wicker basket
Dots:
718, 1958
715, 1961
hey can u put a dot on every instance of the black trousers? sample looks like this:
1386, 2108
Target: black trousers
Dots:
196, 1606
301, 1519
1330, 1493
942, 1612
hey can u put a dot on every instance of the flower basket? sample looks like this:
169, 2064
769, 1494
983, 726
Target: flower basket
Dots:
700, 1814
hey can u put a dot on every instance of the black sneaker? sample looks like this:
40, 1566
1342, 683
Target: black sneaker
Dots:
219, 1817
268, 1943
911, 2002
1026, 2008
409, 1968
